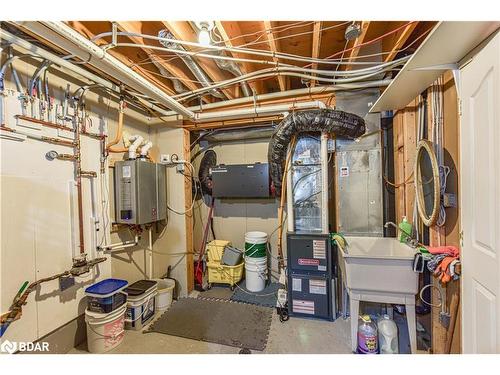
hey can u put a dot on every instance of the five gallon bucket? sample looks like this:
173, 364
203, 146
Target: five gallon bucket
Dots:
255, 244
256, 273
165, 293
105, 331
140, 304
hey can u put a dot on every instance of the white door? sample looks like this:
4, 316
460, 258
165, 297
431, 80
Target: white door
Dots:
480, 200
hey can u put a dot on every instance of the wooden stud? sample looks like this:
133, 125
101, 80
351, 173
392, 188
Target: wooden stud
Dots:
188, 199
274, 46
316, 45
182, 30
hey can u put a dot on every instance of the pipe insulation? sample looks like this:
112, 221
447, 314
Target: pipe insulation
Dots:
331, 121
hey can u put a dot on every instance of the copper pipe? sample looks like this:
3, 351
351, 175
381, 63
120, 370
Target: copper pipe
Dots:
78, 166
88, 174
58, 141
45, 123
66, 157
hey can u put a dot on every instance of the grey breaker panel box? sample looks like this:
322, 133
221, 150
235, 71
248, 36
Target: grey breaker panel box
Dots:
241, 181
140, 192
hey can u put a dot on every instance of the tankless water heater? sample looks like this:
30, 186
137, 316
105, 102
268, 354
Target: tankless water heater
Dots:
140, 192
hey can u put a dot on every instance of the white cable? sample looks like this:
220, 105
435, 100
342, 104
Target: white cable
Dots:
195, 187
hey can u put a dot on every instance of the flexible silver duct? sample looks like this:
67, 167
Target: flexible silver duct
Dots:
178, 86
239, 134
190, 63
234, 69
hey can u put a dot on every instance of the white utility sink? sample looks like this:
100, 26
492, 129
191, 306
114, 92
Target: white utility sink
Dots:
378, 264
376, 269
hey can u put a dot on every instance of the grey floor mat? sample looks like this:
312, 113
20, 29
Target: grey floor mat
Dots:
217, 293
267, 297
223, 322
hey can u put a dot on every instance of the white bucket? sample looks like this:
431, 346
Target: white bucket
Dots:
105, 331
165, 293
255, 273
140, 310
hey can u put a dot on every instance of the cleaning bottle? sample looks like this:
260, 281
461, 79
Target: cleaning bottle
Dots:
387, 335
405, 230
367, 336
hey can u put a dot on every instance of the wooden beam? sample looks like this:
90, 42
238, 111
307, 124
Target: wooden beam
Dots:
188, 218
229, 30
274, 46
354, 52
182, 30
400, 40
84, 30
316, 45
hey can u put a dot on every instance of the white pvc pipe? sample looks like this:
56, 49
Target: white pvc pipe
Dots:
136, 142
145, 149
272, 96
257, 111
122, 245
289, 197
76, 44
150, 254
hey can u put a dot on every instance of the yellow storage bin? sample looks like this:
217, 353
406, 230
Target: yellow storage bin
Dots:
215, 249
218, 273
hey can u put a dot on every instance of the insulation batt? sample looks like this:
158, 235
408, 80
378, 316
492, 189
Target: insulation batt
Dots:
338, 123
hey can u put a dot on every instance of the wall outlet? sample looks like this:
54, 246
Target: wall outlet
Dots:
165, 158
180, 168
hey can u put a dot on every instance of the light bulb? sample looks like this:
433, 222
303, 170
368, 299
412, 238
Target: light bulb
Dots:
204, 37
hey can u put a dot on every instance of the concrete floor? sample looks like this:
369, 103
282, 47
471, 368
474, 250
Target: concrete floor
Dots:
292, 337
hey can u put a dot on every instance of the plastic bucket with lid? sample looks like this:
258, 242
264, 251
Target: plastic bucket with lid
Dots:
255, 244
255, 273
105, 331
106, 295
140, 304
165, 293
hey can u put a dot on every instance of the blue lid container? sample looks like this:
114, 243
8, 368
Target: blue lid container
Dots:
106, 288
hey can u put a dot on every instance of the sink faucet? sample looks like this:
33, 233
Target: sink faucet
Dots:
412, 242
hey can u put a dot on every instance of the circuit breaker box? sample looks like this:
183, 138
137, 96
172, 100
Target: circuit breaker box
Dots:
140, 192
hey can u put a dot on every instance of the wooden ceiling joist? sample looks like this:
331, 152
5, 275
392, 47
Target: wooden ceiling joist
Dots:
245, 67
358, 42
84, 30
316, 45
274, 46
182, 30
174, 71
401, 39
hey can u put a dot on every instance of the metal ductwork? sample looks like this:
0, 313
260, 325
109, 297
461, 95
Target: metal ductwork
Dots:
178, 86
339, 123
234, 69
190, 63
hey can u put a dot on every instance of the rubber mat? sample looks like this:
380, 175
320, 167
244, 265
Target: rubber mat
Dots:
217, 293
222, 322
266, 298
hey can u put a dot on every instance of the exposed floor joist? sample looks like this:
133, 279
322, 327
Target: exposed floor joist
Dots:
316, 45
274, 45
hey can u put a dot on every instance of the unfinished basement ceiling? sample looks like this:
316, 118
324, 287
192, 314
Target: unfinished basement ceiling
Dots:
311, 39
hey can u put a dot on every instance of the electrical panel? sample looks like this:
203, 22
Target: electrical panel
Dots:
140, 192
241, 181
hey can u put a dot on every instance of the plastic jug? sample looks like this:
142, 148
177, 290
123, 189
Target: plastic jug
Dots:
387, 335
367, 336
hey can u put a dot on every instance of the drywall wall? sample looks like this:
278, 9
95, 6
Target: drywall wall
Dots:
38, 213
38, 217
234, 217
169, 239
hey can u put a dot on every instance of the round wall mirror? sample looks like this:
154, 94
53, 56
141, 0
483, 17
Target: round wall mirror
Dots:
427, 183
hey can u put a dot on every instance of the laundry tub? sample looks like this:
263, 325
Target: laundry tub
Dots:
376, 269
